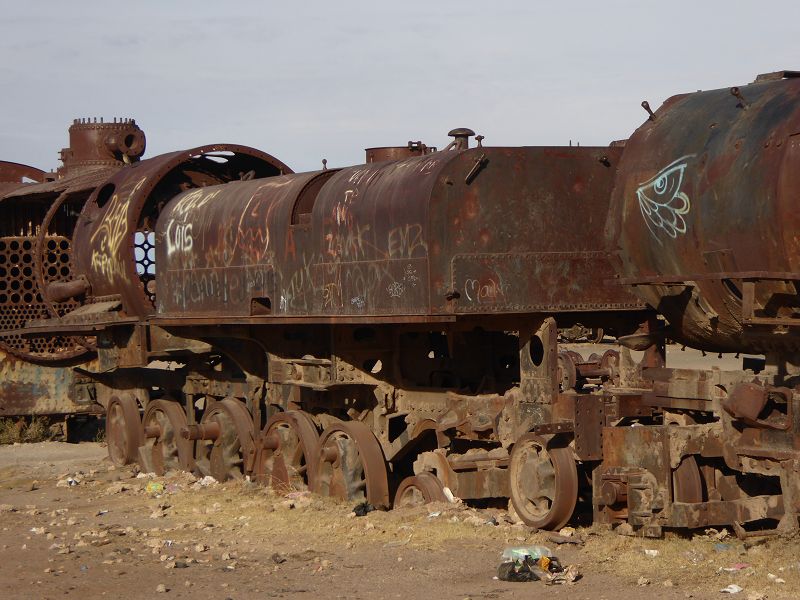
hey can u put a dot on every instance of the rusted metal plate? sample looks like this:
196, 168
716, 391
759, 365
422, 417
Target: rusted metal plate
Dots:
709, 186
217, 246
30, 389
71, 183
114, 237
524, 232
371, 237
11, 172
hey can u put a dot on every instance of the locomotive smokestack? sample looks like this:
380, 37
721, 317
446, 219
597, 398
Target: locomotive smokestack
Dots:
461, 137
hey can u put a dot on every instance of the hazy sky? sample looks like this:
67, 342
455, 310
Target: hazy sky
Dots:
305, 80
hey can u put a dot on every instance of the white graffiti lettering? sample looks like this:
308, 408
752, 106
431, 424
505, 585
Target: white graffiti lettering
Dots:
662, 201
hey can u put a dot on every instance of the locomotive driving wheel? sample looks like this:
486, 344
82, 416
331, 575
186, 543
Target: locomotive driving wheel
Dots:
687, 482
543, 481
227, 440
288, 452
164, 449
123, 430
419, 490
351, 465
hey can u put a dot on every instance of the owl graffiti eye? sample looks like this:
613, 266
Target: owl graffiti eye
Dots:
662, 201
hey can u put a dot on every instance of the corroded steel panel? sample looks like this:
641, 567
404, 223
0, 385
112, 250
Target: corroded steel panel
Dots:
30, 389
217, 246
706, 193
114, 237
520, 230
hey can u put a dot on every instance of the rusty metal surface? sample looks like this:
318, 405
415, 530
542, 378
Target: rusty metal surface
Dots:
31, 389
12, 172
71, 183
397, 152
525, 235
367, 236
103, 144
21, 300
216, 246
114, 237
709, 186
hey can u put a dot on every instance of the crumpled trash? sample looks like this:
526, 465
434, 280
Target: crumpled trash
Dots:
719, 536
735, 567
732, 589
204, 482
535, 563
68, 482
154, 487
363, 508
522, 552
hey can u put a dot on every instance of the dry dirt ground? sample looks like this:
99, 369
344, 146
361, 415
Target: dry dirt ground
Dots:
114, 534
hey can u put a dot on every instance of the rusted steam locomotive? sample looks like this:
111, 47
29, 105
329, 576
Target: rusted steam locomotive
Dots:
385, 331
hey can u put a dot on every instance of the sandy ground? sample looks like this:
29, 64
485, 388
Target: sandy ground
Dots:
108, 535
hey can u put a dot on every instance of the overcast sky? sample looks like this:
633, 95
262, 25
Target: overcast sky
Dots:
305, 80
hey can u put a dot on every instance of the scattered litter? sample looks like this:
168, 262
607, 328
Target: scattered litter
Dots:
362, 509
732, 589
720, 535
642, 581
521, 552
535, 563
775, 578
68, 482
206, 481
449, 495
145, 475
434, 514
154, 487
652, 553
722, 547
567, 531
735, 567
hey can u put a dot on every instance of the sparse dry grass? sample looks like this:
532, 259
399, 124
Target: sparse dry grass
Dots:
22, 430
699, 561
689, 562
